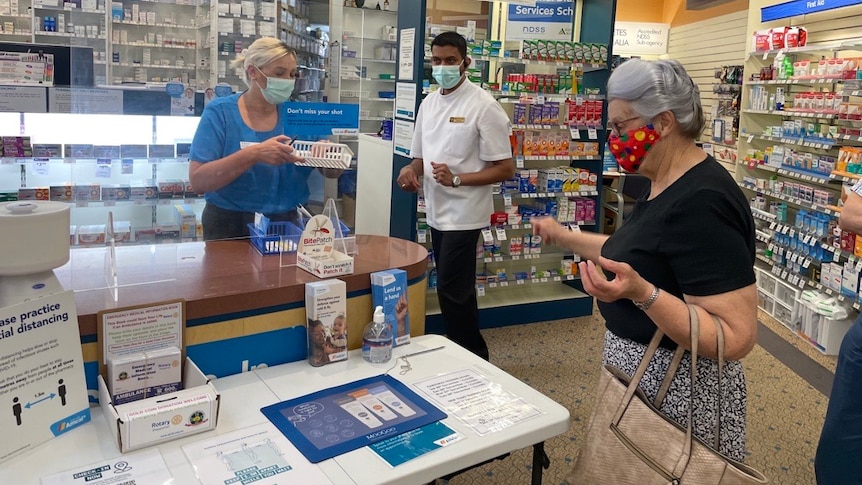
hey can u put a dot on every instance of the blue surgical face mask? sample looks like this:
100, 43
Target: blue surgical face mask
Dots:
447, 76
277, 90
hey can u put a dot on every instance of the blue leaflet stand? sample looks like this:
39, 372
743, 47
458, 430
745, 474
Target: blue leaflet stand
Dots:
340, 419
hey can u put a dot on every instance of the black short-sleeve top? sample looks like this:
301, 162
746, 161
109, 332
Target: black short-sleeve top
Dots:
695, 238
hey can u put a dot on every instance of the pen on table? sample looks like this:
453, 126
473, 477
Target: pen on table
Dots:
424, 351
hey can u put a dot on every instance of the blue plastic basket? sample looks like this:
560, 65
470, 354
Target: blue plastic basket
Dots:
280, 237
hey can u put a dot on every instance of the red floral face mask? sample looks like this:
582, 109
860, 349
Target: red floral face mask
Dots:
631, 148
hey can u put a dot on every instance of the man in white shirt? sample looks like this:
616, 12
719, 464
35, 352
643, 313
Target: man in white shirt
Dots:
460, 149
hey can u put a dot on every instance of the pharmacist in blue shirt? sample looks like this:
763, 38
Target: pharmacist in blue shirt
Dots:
240, 157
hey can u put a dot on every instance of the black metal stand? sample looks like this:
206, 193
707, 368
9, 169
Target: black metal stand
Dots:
540, 462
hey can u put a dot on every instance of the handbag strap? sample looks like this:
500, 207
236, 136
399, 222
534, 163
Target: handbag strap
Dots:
694, 322
636, 378
719, 337
668, 377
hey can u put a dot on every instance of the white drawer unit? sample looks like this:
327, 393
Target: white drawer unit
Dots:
778, 298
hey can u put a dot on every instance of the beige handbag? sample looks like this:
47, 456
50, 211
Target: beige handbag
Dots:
629, 441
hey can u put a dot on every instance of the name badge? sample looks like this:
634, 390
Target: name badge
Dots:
456, 119
246, 144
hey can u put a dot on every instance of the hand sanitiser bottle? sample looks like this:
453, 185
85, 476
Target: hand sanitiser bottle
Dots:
377, 339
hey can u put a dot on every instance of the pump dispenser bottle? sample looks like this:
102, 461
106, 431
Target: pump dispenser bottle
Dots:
377, 339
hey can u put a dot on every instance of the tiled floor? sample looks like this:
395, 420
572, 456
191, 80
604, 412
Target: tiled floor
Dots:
561, 359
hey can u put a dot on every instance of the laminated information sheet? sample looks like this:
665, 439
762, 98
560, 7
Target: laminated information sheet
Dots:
477, 401
256, 454
137, 468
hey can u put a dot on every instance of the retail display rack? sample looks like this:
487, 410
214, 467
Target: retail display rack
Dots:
153, 42
799, 150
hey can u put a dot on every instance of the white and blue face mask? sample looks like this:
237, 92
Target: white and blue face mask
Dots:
447, 76
277, 90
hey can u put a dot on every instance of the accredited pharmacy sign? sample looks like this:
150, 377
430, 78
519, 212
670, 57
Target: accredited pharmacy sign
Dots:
548, 20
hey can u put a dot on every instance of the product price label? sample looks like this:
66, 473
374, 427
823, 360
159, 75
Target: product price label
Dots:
504, 284
557, 278
802, 283
498, 259
519, 282
784, 274
544, 280
792, 233
519, 161
575, 132
516, 258
487, 236
750, 137
807, 263
40, 166
807, 239
422, 236
772, 226
859, 266
593, 133
507, 200
501, 234
492, 285
480, 290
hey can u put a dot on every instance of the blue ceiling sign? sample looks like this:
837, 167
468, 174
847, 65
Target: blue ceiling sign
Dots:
802, 7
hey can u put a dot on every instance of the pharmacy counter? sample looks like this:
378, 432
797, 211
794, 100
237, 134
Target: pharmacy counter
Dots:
243, 310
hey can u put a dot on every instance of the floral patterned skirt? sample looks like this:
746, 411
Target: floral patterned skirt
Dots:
625, 355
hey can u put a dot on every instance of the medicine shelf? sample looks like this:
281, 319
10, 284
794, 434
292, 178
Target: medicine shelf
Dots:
143, 202
851, 93
153, 66
368, 79
828, 210
369, 10
161, 25
16, 34
820, 145
586, 66
536, 195
153, 46
826, 46
762, 215
781, 82
368, 59
527, 293
370, 39
94, 11
792, 114
14, 16
67, 34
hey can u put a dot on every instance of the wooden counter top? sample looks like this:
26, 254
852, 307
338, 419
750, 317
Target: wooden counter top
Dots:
216, 278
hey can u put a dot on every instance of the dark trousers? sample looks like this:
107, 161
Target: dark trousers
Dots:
227, 224
839, 453
455, 253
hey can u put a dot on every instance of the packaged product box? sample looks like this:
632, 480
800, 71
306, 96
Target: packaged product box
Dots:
91, 234
47, 150
133, 151
145, 374
326, 315
87, 192
106, 151
62, 192
185, 217
115, 192
8, 195
158, 419
167, 232
161, 151
389, 290
122, 231
74, 150
34, 193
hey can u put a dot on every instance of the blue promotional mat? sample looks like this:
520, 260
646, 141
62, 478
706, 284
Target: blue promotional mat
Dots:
340, 419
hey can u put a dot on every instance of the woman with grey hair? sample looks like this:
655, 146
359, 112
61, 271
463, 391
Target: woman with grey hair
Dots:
690, 240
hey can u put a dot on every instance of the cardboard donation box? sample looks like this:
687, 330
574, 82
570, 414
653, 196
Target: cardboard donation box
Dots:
154, 420
321, 251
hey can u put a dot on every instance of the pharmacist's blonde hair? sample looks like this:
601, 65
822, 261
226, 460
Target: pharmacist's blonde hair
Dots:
653, 87
260, 53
